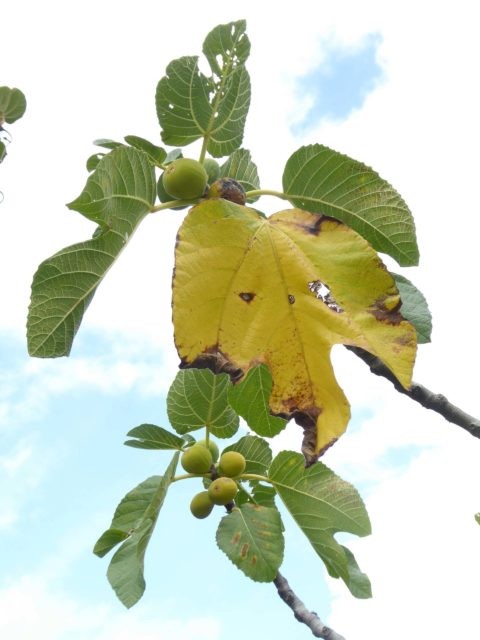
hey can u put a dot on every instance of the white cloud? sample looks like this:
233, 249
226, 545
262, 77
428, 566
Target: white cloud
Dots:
32, 610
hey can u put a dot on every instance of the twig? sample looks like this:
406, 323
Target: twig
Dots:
422, 395
301, 613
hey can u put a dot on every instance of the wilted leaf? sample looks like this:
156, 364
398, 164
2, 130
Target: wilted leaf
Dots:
282, 291
198, 398
251, 536
414, 308
324, 181
323, 504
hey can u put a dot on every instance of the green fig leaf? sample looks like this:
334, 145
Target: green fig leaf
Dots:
250, 399
156, 154
12, 104
149, 436
322, 504
191, 105
136, 516
251, 537
256, 452
414, 308
320, 180
198, 398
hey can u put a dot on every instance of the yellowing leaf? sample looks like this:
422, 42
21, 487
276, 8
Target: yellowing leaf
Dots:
282, 291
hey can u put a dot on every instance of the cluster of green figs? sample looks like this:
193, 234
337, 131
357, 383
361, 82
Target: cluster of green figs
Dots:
202, 459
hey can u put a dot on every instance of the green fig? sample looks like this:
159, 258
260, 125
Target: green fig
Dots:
163, 196
185, 178
196, 459
212, 446
228, 189
232, 464
212, 168
222, 490
201, 505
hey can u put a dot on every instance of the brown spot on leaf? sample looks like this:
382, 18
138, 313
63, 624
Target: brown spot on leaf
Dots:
254, 560
386, 309
291, 299
212, 358
247, 296
236, 538
244, 550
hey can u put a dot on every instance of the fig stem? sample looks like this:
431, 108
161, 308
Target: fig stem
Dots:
266, 192
254, 476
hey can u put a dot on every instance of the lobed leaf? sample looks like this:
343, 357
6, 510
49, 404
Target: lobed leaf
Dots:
136, 517
251, 536
250, 399
322, 504
320, 180
117, 196
12, 104
414, 308
191, 106
282, 291
197, 398
256, 452
149, 436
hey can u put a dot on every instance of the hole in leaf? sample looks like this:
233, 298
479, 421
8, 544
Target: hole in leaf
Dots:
322, 292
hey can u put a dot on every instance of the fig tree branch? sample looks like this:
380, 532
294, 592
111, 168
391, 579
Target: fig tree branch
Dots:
422, 395
302, 614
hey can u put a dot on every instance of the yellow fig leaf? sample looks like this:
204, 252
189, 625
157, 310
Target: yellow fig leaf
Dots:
282, 291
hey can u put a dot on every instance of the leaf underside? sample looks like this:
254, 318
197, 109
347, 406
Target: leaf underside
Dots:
282, 291
323, 504
324, 181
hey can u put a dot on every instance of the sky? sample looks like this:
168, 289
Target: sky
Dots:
391, 84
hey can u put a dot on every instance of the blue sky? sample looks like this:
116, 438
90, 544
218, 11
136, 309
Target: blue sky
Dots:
63, 467
340, 83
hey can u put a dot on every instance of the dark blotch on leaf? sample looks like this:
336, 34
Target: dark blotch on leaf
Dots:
291, 299
216, 361
247, 297
244, 550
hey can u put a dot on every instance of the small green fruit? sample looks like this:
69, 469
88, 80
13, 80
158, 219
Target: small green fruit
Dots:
212, 446
201, 505
222, 490
196, 459
212, 168
164, 196
232, 464
185, 178
228, 189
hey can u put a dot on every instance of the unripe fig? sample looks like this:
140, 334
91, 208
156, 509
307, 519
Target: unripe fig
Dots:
212, 168
164, 196
228, 189
232, 464
201, 505
222, 490
196, 459
185, 178
212, 446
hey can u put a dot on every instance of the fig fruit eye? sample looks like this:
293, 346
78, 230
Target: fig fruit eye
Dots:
196, 459
232, 464
222, 490
185, 179
201, 505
